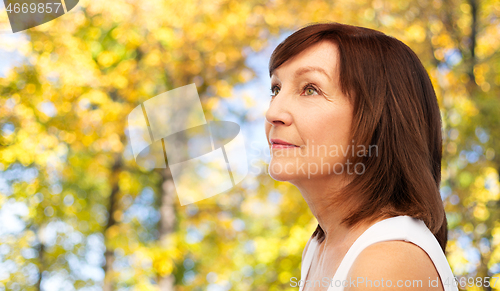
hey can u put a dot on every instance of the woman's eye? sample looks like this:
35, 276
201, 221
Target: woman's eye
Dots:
309, 90
274, 91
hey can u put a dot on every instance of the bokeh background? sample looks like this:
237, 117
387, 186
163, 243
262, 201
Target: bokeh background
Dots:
77, 213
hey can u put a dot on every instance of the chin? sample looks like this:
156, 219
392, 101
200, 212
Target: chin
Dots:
280, 177
278, 173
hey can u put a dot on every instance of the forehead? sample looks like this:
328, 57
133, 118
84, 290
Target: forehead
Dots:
323, 55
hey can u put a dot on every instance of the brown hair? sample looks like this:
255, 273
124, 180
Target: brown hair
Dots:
396, 109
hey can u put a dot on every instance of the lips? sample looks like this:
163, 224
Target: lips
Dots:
279, 143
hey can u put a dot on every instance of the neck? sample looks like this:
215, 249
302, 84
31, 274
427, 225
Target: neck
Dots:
317, 192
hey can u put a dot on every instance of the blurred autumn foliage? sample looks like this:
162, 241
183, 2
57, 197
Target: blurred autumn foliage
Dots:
77, 213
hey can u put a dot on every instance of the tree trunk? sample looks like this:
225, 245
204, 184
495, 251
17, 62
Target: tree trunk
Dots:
112, 207
41, 262
167, 221
473, 40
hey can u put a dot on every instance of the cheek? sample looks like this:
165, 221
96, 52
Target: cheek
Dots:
342, 126
328, 127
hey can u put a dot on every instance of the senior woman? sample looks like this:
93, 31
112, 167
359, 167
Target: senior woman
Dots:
354, 124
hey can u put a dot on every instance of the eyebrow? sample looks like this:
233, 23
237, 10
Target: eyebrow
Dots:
308, 69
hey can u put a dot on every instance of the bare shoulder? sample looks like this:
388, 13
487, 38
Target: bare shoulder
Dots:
402, 263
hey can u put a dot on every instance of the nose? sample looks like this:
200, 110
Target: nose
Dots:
279, 111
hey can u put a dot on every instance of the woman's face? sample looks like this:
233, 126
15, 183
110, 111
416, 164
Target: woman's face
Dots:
309, 111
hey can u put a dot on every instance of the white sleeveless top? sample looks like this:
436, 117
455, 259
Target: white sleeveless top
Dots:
395, 228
